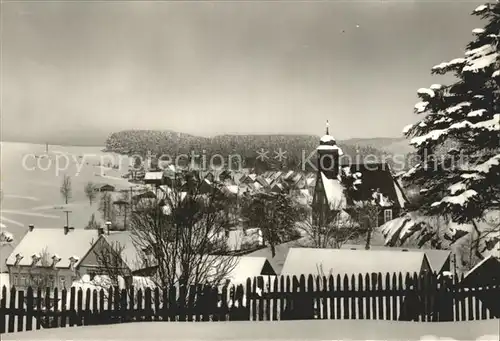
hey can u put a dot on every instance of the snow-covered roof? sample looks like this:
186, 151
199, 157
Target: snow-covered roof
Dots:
436, 258
334, 192
327, 138
328, 147
153, 176
310, 261
54, 241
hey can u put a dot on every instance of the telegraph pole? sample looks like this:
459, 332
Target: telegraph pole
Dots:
67, 217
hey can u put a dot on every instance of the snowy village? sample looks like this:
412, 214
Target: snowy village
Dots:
260, 226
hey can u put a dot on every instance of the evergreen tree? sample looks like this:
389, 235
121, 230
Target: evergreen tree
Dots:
457, 141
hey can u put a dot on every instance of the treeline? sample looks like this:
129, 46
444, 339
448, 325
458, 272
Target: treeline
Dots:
297, 147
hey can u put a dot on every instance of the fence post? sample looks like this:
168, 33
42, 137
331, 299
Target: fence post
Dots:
352, 294
39, 312
95, 311
87, 314
156, 304
172, 302
21, 311
395, 297
64, 315
29, 309
3, 308
12, 309
387, 294
309, 299
360, 297
368, 294
345, 297
276, 302
55, 321
139, 311
147, 304
380, 297
331, 291
80, 307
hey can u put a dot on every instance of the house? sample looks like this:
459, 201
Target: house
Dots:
132, 262
370, 182
49, 257
281, 251
153, 178
485, 273
104, 188
325, 262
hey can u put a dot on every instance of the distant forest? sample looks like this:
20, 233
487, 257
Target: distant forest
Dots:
297, 147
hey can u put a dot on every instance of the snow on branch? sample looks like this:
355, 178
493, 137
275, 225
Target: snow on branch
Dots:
407, 128
492, 125
436, 87
420, 107
446, 65
478, 64
457, 107
480, 9
478, 31
426, 92
476, 113
460, 199
486, 166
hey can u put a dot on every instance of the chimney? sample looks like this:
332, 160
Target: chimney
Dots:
100, 231
31, 227
66, 229
71, 228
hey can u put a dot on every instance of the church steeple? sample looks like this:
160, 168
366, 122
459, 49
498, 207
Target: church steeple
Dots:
328, 155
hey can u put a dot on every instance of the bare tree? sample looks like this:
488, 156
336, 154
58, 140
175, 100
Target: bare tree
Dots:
275, 214
65, 189
92, 224
41, 274
107, 208
90, 192
178, 239
366, 214
183, 233
339, 228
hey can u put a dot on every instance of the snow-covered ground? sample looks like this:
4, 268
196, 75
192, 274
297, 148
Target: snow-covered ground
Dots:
30, 183
286, 330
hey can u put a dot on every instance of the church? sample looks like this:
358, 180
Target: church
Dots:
340, 186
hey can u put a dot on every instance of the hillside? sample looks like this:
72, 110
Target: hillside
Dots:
297, 147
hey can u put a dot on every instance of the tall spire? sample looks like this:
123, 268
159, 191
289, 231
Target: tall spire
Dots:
327, 126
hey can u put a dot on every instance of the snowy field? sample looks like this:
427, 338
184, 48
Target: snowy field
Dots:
31, 182
289, 330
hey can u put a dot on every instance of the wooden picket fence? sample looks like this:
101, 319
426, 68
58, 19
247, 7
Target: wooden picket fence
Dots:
371, 296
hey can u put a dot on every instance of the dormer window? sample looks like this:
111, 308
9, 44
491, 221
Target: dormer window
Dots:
72, 262
35, 258
19, 257
55, 259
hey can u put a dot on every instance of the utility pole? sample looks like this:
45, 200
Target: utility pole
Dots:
67, 217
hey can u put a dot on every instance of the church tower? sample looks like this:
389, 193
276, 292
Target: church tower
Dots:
328, 156
328, 192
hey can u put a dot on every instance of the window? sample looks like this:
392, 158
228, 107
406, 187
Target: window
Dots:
51, 283
62, 280
387, 215
22, 282
15, 280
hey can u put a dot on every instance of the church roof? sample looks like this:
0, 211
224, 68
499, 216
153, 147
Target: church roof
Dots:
334, 192
327, 138
330, 147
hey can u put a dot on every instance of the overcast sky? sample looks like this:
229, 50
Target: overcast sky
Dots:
225, 67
